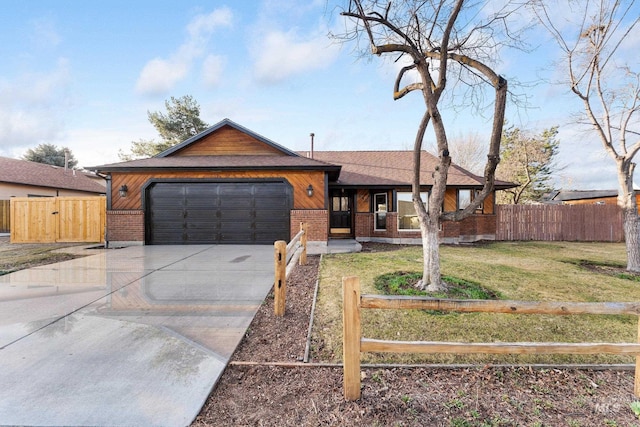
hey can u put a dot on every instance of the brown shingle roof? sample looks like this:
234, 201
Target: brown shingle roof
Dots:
392, 168
214, 162
41, 175
219, 163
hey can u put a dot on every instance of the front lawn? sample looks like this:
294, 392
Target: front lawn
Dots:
533, 271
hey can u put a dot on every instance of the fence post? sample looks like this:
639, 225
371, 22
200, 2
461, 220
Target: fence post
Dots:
280, 282
351, 332
636, 383
303, 242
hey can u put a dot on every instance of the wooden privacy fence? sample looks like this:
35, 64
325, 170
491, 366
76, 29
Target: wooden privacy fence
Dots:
354, 343
5, 217
58, 219
286, 256
581, 223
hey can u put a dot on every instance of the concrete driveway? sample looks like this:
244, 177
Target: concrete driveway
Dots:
136, 336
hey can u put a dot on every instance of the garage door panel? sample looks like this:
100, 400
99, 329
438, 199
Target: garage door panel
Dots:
218, 212
237, 237
202, 215
240, 227
199, 238
168, 215
236, 215
169, 236
267, 214
229, 202
168, 192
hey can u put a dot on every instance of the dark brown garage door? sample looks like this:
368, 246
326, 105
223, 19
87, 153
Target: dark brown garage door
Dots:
217, 212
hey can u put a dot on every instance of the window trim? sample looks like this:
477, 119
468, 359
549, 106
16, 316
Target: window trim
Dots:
376, 211
470, 191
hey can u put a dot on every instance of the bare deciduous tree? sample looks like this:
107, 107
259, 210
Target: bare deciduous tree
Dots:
468, 151
449, 44
608, 88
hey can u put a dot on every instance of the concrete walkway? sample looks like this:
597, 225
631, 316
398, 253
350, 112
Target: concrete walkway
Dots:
136, 336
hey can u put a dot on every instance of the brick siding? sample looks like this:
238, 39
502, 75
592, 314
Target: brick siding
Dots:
125, 226
317, 223
470, 229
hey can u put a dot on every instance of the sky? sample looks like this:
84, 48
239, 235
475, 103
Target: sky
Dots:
84, 75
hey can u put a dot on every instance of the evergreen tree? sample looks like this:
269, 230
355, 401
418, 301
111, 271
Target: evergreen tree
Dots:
181, 122
529, 160
51, 155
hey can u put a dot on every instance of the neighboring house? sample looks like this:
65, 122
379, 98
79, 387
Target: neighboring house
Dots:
231, 185
586, 197
21, 178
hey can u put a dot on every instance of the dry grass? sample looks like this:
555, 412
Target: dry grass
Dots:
18, 256
518, 271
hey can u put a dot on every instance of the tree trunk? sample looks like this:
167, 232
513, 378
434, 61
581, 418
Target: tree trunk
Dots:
627, 201
631, 238
430, 220
433, 256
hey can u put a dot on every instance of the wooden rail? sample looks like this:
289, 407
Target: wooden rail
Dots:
355, 344
285, 257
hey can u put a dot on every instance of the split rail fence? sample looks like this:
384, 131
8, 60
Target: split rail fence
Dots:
286, 255
354, 344
571, 223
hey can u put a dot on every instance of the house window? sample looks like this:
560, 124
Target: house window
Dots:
340, 204
464, 198
380, 209
407, 216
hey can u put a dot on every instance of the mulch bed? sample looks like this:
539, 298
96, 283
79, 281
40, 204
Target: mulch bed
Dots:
266, 395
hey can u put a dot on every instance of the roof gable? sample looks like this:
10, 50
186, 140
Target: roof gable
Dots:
23, 172
227, 138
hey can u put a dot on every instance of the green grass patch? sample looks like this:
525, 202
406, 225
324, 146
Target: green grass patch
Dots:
627, 276
404, 283
527, 271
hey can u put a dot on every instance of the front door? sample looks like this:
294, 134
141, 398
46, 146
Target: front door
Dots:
341, 219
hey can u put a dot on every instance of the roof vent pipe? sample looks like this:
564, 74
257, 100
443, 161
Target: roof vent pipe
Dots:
66, 160
311, 135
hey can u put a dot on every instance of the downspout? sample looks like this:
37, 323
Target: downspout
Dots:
108, 191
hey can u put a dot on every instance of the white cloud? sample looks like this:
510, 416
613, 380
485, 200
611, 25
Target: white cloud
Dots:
212, 69
31, 106
282, 55
44, 33
160, 75
203, 25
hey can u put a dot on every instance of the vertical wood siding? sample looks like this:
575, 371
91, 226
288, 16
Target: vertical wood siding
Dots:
57, 219
597, 223
5, 216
